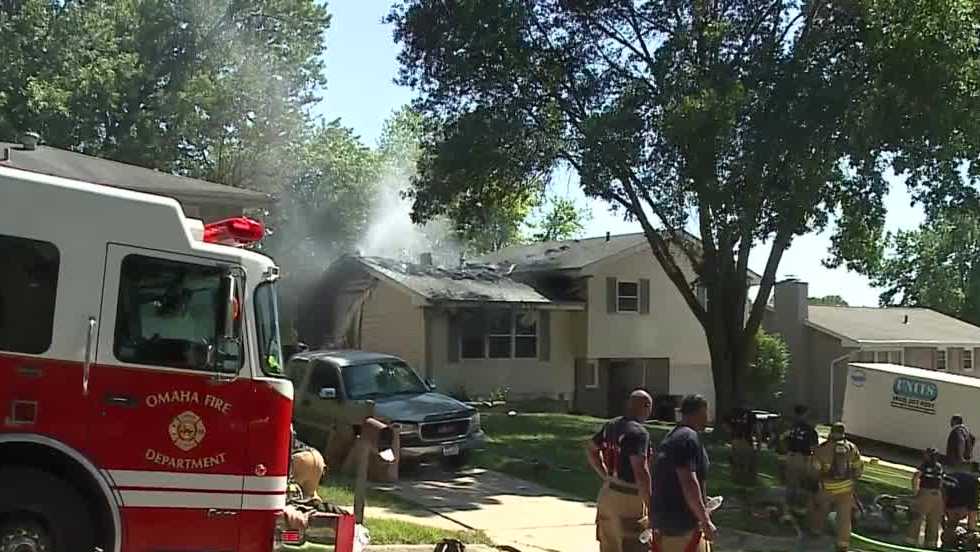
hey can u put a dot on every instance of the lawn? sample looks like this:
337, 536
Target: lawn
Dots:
391, 531
548, 449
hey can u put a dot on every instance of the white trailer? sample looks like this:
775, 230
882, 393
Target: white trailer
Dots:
908, 407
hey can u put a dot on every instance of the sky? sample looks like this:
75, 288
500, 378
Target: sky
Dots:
361, 66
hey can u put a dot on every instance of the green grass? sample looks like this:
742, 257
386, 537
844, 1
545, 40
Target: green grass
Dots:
548, 449
340, 491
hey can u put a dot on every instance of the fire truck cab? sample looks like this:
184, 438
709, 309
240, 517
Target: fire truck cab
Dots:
141, 403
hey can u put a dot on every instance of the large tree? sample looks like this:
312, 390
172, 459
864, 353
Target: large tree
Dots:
215, 89
935, 266
748, 121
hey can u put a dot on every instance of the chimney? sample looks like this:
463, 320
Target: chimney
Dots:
608, 235
29, 140
425, 259
791, 301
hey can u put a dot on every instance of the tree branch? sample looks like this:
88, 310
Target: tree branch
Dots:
779, 245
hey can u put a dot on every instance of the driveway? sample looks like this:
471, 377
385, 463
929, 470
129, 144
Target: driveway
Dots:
510, 511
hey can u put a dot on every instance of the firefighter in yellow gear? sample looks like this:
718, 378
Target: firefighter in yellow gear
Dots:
839, 465
929, 505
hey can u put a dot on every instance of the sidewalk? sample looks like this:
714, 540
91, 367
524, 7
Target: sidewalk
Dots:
510, 511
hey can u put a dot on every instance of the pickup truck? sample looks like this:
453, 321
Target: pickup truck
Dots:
334, 387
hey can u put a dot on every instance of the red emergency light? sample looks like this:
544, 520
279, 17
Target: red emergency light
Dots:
234, 231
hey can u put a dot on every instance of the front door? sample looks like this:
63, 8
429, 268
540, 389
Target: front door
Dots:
172, 435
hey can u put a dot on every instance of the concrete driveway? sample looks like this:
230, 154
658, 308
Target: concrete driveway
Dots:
510, 511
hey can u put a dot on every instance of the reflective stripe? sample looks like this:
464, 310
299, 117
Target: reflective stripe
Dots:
196, 481
189, 499
837, 487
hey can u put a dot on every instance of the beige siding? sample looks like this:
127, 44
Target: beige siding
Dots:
393, 324
669, 331
954, 359
526, 377
921, 357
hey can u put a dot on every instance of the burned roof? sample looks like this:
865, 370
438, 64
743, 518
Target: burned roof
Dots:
69, 164
472, 282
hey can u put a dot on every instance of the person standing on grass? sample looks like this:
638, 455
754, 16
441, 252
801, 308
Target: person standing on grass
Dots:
840, 466
620, 454
959, 446
928, 486
799, 441
680, 520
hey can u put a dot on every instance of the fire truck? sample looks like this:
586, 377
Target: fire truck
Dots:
141, 401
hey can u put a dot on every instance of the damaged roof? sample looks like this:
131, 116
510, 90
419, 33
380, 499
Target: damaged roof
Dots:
566, 254
476, 283
69, 164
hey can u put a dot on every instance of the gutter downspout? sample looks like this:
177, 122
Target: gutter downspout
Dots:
830, 412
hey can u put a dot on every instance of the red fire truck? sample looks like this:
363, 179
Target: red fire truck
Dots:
141, 407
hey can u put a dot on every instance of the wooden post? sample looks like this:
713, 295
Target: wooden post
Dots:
361, 453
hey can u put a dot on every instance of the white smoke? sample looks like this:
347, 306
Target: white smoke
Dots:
392, 234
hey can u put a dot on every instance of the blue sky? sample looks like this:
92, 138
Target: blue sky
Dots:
361, 66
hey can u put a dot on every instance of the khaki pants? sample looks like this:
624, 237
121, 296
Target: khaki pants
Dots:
618, 518
307, 469
842, 503
681, 543
798, 477
928, 507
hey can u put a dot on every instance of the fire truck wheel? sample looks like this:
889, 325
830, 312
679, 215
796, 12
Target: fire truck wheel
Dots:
41, 512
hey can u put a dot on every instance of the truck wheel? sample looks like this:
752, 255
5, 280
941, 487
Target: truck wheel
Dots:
41, 513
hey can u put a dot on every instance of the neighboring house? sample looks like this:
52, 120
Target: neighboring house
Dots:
581, 321
823, 340
199, 198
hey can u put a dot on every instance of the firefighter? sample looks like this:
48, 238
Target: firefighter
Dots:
306, 467
620, 454
839, 465
927, 484
799, 441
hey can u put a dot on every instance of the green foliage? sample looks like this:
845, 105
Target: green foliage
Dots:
752, 121
936, 266
562, 221
828, 301
768, 370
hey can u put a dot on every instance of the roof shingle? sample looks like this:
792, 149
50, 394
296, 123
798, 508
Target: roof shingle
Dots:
893, 324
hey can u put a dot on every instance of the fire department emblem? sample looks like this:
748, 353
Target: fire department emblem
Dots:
187, 431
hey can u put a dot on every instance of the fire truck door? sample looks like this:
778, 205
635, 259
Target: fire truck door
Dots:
171, 432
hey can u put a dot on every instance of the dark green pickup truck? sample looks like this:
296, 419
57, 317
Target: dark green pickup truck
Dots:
335, 389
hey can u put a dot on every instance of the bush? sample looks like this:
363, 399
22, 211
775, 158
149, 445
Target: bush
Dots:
767, 371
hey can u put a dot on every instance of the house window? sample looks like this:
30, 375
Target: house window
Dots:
499, 333
628, 297
941, 359
884, 357
592, 375
967, 360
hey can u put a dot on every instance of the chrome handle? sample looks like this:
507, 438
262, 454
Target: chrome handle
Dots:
215, 513
87, 365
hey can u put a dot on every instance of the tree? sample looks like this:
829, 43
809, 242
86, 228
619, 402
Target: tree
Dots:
936, 266
828, 301
751, 121
209, 89
768, 370
562, 221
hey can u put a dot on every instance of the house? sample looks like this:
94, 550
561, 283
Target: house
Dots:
199, 198
822, 341
579, 321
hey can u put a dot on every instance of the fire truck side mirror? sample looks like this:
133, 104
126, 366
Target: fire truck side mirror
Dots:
232, 306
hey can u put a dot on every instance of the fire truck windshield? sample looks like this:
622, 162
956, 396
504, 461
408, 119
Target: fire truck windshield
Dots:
267, 328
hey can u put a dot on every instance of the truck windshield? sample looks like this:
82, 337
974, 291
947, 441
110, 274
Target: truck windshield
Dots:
267, 328
381, 379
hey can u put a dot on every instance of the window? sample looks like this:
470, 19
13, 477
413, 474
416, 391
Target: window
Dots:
967, 360
884, 357
267, 326
381, 379
169, 312
628, 297
323, 375
28, 285
592, 375
940, 359
499, 333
